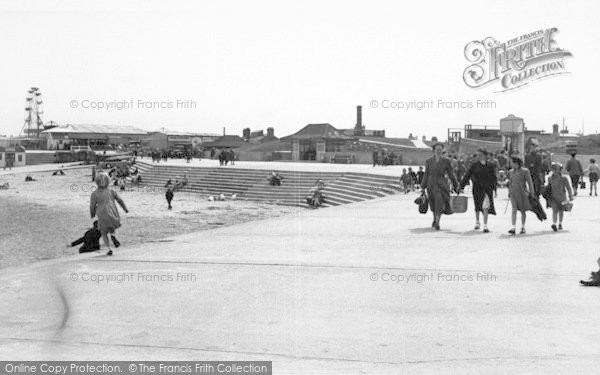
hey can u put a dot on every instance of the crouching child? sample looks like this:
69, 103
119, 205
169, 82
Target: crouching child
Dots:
90, 240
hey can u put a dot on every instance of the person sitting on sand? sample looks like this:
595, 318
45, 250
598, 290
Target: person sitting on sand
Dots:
102, 205
90, 240
315, 196
275, 179
28, 178
4, 186
169, 183
58, 173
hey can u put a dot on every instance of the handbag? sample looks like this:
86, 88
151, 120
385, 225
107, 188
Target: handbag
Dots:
567, 206
423, 203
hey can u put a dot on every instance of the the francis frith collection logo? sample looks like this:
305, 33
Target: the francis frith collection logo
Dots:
515, 63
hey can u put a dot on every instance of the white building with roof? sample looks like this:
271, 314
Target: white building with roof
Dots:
92, 135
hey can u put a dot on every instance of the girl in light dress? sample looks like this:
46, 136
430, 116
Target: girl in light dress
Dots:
102, 205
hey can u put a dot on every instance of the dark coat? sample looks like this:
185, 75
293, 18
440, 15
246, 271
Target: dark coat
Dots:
484, 181
536, 207
436, 183
90, 241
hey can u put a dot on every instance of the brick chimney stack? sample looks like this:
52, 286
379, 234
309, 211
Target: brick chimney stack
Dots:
358, 128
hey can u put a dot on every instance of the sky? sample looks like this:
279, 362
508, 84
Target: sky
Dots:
259, 64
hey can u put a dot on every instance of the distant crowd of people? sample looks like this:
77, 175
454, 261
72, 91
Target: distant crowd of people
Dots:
225, 155
383, 157
164, 155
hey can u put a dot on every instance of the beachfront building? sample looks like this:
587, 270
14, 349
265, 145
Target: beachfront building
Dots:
227, 141
14, 155
93, 135
312, 142
273, 150
165, 139
325, 143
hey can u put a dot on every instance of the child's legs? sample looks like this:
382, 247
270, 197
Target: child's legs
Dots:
554, 215
523, 217
105, 239
513, 217
561, 214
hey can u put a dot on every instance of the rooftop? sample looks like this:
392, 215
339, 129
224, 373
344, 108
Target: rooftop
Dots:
310, 131
96, 128
190, 134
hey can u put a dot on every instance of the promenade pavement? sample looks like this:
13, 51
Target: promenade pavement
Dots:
355, 289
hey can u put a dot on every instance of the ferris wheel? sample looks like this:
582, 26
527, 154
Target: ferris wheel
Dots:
34, 109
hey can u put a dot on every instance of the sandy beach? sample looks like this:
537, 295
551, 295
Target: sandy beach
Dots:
41, 217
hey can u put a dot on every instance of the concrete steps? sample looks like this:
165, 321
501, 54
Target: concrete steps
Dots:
252, 184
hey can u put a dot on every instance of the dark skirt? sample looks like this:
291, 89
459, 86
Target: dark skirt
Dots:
479, 193
593, 177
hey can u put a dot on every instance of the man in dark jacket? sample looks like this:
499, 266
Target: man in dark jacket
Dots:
90, 240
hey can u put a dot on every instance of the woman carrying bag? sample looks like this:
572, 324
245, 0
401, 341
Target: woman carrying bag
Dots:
434, 180
483, 175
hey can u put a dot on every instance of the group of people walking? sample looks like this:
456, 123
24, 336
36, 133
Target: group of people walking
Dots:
524, 187
225, 156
